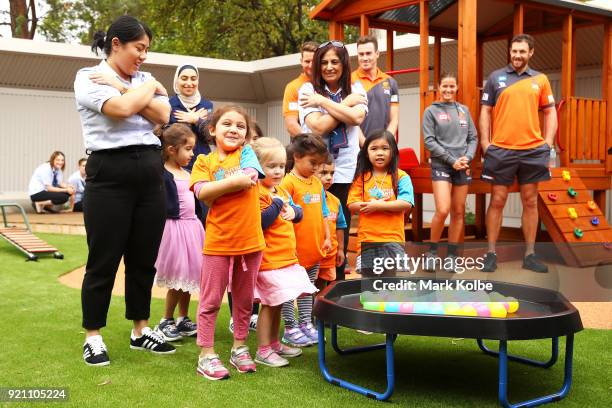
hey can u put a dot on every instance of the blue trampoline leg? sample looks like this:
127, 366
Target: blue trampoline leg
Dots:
334, 343
390, 338
503, 377
545, 364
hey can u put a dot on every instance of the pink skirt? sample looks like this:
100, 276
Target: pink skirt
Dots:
179, 260
275, 287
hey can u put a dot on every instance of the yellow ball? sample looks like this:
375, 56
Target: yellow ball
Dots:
498, 310
469, 310
451, 309
513, 305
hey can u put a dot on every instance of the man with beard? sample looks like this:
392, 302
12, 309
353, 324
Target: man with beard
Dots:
515, 146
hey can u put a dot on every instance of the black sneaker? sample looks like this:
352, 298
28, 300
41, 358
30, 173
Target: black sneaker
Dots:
532, 263
490, 262
150, 341
94, 352
187, 328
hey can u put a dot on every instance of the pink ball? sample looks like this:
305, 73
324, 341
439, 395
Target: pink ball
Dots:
483, 310
406, 307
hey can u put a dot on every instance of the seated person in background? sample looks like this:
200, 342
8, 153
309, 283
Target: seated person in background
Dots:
47, 189
77, 180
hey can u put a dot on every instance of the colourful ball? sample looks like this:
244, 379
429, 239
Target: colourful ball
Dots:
436, 308
406, 307
375, 306
421, 307
392, 307
483, 310
469, 310
497, 310
513, 305
451, 308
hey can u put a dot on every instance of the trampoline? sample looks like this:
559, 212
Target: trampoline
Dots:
543, 313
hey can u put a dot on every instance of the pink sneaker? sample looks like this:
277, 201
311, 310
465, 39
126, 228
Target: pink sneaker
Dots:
285, 351
242, 361
212, 368
272, 359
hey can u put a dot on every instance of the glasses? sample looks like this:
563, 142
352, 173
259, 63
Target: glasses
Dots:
335, 43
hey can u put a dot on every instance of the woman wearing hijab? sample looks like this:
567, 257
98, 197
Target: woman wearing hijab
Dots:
190, 108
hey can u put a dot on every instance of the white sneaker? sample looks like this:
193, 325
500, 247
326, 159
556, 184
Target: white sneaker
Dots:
253, 323
231, 325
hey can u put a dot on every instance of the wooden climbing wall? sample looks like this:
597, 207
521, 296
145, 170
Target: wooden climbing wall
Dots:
589, 249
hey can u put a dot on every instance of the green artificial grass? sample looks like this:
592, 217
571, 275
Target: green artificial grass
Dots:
42, 347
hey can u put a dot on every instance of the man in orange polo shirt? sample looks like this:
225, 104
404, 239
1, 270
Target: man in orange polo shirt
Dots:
516, 147
383, 93
290, 98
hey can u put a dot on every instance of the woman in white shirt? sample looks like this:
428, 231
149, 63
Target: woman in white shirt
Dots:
47, 188
333, 108
124, 202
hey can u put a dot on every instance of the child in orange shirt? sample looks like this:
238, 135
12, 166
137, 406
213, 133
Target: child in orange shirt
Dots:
234, 239
337, 225
380, 194
280, 278
305, 153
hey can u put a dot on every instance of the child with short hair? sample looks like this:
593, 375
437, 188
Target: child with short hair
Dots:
280, 277
234, 238
337, 224
380, 194
305, 153
77, 180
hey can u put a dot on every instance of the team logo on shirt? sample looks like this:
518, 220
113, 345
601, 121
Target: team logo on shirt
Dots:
332, 217
377, 193
501, 84
311, 198
443, 116
222, 173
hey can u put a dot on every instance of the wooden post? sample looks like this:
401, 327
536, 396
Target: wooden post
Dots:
364, 25
466, 53
423, 62
437, 60
606, 88
389, 57
567, 77
519, 18
336, 31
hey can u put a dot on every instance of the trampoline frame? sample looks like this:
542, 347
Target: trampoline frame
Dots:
502, 356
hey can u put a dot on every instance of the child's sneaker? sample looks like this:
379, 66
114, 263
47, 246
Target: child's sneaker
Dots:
231, 325
186, 327
285, 351
242, 361
212, 368
296, 338
253, 323
95, 352
310, 332
168, 330
150, 341
271, 360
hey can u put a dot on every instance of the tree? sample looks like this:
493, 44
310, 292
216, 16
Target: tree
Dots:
232, 29
23, 26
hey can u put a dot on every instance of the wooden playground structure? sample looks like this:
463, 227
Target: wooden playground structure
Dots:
585, 124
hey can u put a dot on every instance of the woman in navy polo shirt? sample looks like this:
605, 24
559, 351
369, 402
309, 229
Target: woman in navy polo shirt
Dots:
124, 194
190, 108
47, 185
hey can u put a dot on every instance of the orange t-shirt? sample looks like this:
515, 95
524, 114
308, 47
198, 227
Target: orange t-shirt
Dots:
290, 98
378, 226
516, 100
333, 203
280, 248
233, 224
310, 232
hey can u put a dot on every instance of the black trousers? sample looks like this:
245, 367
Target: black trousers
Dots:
124, 211
56, 197
341, 191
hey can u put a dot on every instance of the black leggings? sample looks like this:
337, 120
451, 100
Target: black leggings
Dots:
125, 212
56, 197
341, 191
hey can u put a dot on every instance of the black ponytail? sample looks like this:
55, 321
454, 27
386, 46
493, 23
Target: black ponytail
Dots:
125, 28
